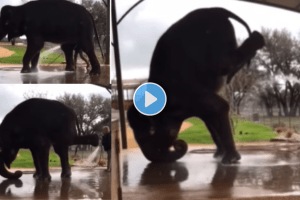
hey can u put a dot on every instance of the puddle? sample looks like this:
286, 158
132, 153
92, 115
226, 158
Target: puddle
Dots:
272, 172
53, 74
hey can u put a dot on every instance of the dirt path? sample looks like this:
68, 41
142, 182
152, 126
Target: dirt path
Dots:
5, 52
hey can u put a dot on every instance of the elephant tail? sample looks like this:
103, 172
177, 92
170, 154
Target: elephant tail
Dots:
91, 139
96, 35
229, 14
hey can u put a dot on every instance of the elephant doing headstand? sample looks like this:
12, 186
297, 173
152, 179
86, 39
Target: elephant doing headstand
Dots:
191, 61
57, 21
36, 124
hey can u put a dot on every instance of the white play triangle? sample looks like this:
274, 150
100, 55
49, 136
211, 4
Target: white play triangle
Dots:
149, 99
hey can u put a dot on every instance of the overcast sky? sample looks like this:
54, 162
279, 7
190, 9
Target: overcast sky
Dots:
140, 30
12, 94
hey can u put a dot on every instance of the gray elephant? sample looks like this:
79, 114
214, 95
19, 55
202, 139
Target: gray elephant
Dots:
62, 22
191, 61
36, 124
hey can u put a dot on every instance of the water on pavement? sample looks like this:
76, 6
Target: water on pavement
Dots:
85, 183
53, 74
273, 171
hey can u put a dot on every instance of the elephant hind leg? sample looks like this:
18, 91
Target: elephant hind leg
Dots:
62, 152
89, 51
214, 112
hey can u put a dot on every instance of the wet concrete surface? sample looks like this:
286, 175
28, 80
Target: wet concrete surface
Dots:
53, 74
265, 171
85, 183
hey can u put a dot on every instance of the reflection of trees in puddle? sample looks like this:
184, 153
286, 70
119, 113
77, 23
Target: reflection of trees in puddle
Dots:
281, 173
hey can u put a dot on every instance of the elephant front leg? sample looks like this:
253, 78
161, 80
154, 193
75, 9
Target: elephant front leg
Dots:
62, 152
34, 46
34, 63
214, 111
41, 161
36, 162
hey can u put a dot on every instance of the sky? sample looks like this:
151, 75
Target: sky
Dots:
140, 30
13, 94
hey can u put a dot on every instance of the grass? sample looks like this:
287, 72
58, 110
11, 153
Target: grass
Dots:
245, 131
17, 57
24, 160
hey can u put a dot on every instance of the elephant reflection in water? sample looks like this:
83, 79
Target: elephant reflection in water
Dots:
41, 190
191, 61
37, 124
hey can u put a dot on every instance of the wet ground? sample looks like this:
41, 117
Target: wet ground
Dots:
264, 171
53, 74
93, 183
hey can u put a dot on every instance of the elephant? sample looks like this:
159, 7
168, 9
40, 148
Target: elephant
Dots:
56, 21
192, 60
36, 124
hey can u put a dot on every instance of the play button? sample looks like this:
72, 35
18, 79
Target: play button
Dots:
149, 99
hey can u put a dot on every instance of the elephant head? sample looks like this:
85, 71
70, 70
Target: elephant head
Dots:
6, 158
10, 22
158, 143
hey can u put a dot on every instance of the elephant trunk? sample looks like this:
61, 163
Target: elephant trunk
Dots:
6, 174
154, 154
2, 34
157, 141
92, 139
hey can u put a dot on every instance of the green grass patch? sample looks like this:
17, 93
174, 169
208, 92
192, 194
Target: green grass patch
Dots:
17, 57
245, 131
24, 160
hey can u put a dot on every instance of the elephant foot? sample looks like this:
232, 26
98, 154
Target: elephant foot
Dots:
219, 153
231, 158
66, 174
35, 175
95, 72
34, 70
44, 178
25, 70
70, 69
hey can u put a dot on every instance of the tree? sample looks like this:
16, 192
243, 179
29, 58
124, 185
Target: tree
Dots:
239, 87
92, 113
99, 11
280, 58
33, 94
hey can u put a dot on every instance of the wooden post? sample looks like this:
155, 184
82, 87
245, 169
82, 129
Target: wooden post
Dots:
116, 188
